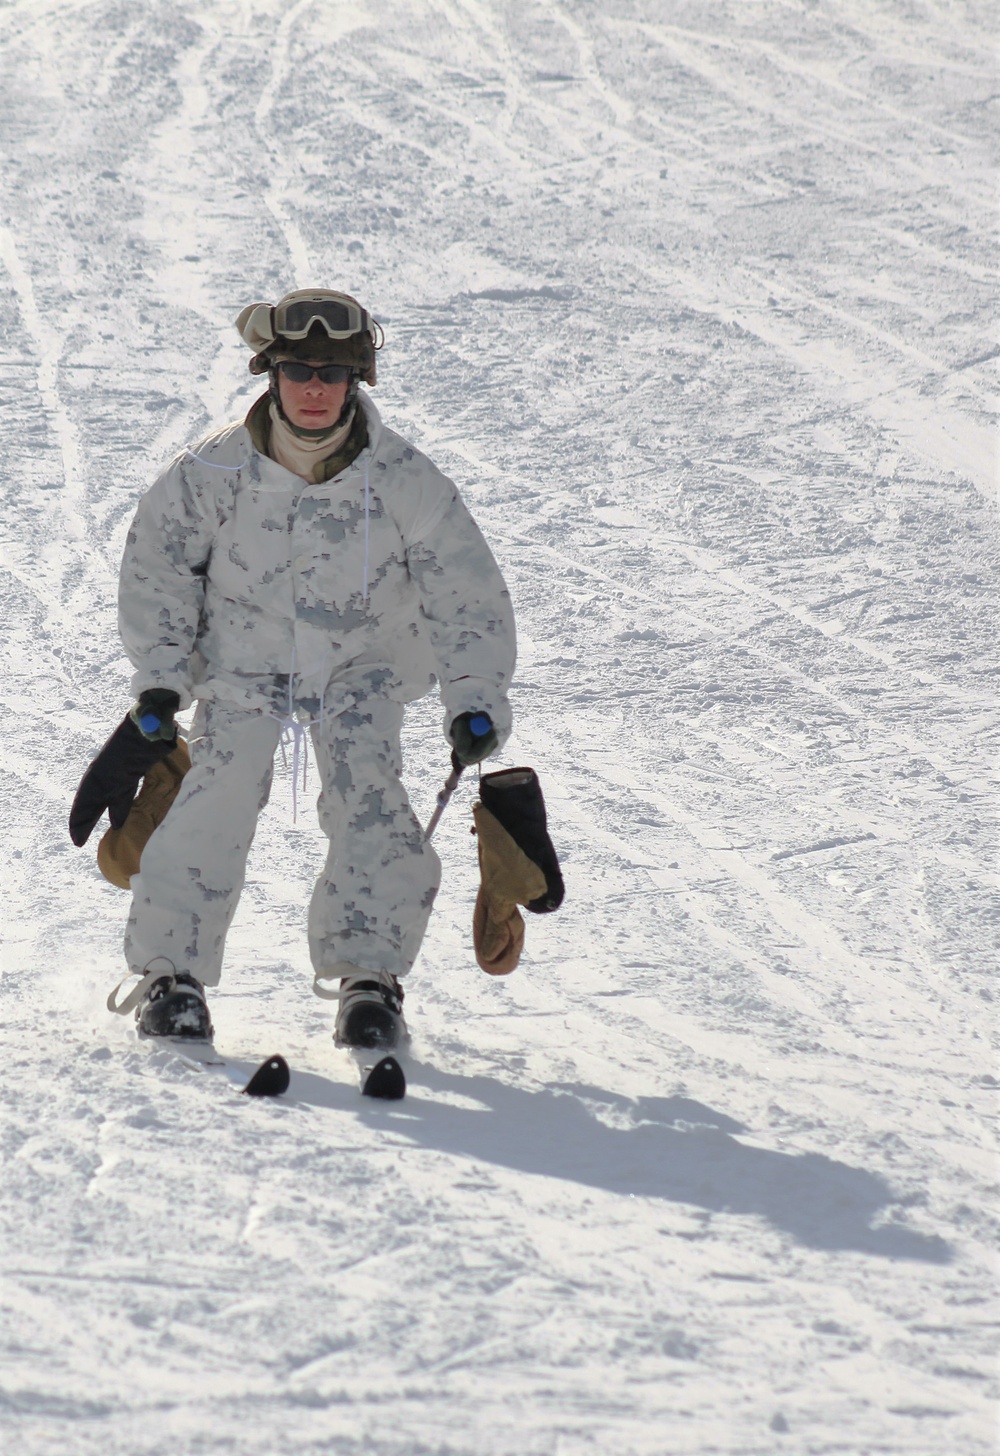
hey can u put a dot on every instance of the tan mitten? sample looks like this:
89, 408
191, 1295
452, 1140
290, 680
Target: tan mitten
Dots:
508, 879
120, 850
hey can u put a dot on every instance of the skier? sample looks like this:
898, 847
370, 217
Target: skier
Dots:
303, 572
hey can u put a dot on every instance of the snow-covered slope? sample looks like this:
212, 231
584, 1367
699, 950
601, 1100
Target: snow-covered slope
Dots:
693, 298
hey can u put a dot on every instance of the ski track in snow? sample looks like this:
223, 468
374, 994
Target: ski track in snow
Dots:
694, 301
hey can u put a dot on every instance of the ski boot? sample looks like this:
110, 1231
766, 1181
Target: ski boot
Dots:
371, 1011
175, 1005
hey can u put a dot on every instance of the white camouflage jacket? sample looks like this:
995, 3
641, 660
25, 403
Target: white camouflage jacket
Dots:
243, 583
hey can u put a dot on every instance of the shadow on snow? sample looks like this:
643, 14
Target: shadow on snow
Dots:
675, 1149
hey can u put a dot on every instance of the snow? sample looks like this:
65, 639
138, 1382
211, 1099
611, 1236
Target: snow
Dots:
694, 300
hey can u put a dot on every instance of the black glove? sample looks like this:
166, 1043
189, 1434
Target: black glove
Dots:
474, 737
112, 780
153, 714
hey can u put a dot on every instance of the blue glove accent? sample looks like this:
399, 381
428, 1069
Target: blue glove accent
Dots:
474, 738
153, 714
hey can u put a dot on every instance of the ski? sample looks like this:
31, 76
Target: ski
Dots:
271, 1078
379, 1074
386, 1080
379, 1077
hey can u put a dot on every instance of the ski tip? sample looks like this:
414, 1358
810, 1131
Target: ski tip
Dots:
386, 1081
271, 1079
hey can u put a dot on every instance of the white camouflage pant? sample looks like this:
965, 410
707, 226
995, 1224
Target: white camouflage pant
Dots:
372, 902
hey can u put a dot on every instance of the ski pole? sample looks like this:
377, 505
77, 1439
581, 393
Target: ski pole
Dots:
480, 726
450, 785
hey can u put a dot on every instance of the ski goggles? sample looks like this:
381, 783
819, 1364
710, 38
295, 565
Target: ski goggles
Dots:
326, 373
339, 314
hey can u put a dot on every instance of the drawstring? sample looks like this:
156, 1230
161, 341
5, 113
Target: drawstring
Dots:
364, 586
290, 725
211, 464
298, 732
299, 735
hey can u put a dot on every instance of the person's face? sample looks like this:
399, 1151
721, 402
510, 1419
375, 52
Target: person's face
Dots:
313, 405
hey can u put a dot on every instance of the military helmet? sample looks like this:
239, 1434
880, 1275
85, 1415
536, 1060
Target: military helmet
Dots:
314, 324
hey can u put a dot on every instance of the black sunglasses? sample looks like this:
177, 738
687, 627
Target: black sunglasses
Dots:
326, 373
